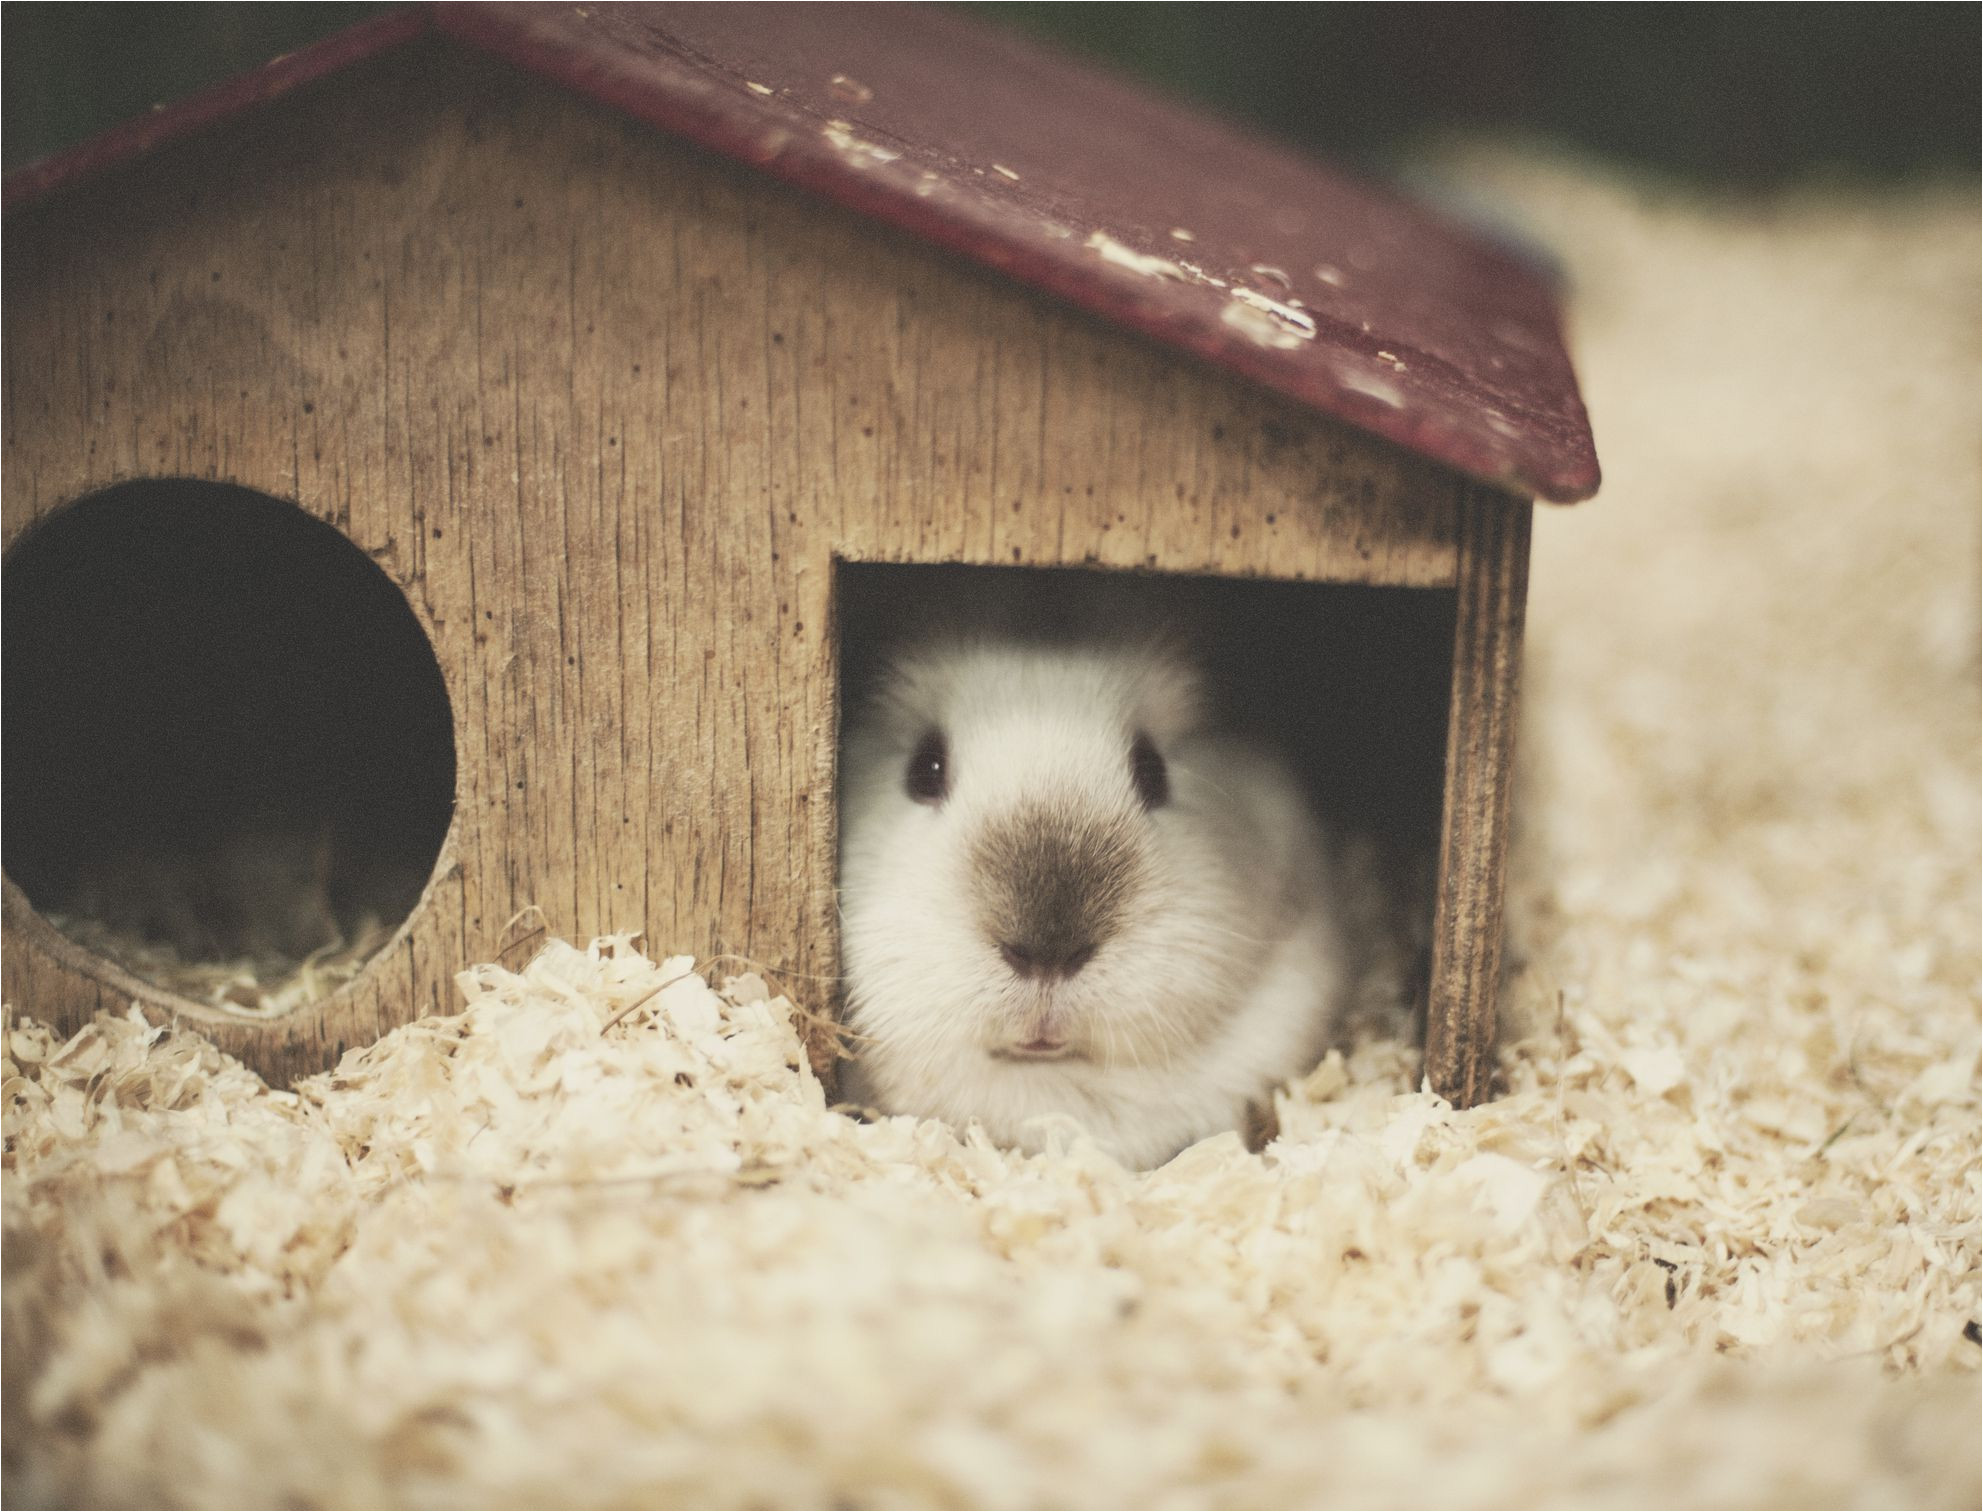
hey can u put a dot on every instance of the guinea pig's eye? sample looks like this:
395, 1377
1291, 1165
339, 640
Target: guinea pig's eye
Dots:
1147, 771
928, 778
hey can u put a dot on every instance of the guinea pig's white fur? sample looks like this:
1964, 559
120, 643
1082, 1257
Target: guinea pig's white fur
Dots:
1219, 959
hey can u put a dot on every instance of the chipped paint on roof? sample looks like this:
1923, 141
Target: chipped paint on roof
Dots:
1149, 266
857, 152
1269, 322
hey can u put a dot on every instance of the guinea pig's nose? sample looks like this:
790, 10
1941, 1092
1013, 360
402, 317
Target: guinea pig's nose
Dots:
1055, 961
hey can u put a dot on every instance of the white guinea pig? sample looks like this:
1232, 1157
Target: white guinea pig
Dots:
1064, 897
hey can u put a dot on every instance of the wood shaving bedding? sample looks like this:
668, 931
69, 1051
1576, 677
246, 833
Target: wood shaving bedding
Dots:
1717, 1244
272, 985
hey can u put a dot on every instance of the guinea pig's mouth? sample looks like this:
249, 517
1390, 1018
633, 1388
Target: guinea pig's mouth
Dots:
1041, 1049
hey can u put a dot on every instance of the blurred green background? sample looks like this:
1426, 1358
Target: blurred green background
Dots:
1748, 95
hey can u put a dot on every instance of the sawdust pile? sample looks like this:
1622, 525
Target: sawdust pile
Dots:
1717, 1244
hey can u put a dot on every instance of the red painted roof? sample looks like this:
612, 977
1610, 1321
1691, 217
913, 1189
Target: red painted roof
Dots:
1339, 295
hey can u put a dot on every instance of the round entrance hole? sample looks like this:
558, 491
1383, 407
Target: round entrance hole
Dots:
229, 754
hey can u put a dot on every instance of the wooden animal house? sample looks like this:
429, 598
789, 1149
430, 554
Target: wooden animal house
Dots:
447, 474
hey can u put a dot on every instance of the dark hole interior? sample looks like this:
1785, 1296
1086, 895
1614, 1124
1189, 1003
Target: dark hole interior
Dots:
226, 738
1350, 682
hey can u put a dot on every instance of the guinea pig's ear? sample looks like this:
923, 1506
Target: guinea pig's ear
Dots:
1150, 773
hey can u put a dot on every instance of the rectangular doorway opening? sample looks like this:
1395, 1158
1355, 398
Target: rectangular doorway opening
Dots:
1349, 683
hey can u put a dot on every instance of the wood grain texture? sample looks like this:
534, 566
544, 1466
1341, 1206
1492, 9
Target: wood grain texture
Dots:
981, 141
607, 410
1480, 751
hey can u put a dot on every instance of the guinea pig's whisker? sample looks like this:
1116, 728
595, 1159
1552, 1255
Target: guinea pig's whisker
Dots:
1173, 1040
1121, 1036
1232, 934
1109, 1048
1197, 774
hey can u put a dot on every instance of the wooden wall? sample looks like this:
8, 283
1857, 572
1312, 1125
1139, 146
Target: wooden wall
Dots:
607, 410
